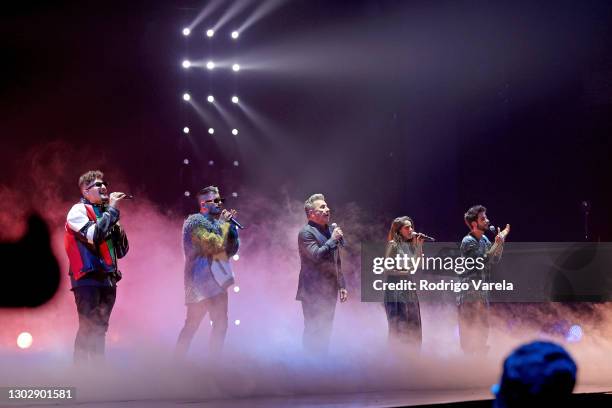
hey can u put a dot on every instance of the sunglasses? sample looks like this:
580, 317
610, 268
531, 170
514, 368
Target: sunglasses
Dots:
97, 184
216, 201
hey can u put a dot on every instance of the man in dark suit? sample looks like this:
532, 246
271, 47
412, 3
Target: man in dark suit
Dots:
320, 276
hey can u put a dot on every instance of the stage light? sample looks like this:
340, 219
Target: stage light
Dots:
186, 96
236, 289
210, 65
211, 322
574, 334
211, 131
236, 67
210, 32
186, 31
210, 98
24, 340
236, 164
185, 130
186, 63
235, 34
235, 132
211, 163
235, 99
235, 194
187, 193
237, 322
236, 257
185, 161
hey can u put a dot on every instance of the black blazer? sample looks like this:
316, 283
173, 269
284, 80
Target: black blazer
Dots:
319, 278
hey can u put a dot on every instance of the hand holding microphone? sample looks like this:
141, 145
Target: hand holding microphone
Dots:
115, 197
422, 237
500, 234
337, 234
228, 216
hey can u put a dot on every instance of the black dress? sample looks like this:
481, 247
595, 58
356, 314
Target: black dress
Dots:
402, 306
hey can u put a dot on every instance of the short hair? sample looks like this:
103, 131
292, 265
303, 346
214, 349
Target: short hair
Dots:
309, 203
472, 214
541, 372
208, 190
88, 177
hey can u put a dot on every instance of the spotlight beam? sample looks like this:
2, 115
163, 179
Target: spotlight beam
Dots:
206, 11
224, 113
202, 113
267, 128
265, 8
232, 12
203, 63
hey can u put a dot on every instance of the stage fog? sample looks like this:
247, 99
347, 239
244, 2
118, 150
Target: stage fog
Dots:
263, 353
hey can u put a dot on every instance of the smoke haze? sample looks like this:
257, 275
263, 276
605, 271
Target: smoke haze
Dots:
263, 354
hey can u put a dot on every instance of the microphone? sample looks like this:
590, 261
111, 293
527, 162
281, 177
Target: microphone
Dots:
424, 236
341, 240
236, 223
492, 229
126, 197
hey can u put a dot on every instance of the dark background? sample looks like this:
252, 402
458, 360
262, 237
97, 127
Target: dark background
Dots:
420, 108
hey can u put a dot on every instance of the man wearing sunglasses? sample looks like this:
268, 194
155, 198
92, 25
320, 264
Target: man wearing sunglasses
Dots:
94, 241
209, 240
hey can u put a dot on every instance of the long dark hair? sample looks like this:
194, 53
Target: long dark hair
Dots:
397, 224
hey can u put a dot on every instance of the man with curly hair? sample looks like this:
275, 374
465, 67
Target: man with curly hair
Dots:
209, 240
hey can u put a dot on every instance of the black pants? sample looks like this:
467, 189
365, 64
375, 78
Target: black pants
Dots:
403, 314
318, 323
94, 306
217, 307
404, 320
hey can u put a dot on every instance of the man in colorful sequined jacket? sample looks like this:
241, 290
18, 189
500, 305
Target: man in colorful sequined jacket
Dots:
209, 240
94, 241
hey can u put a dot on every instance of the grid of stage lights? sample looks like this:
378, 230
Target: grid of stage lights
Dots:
210, 64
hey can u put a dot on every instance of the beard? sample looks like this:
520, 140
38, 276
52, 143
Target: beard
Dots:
215, 210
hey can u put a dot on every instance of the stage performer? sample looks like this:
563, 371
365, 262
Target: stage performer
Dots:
402, 306
209, 240
320, 279
94, 241
473, 305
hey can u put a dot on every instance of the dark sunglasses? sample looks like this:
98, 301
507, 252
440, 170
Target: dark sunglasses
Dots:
216, 201
97, 184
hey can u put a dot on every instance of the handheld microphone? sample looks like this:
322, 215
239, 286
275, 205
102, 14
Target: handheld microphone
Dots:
236, 223
492, 229
424, 236
341, 240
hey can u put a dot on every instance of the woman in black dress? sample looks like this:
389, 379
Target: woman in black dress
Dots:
402, 307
